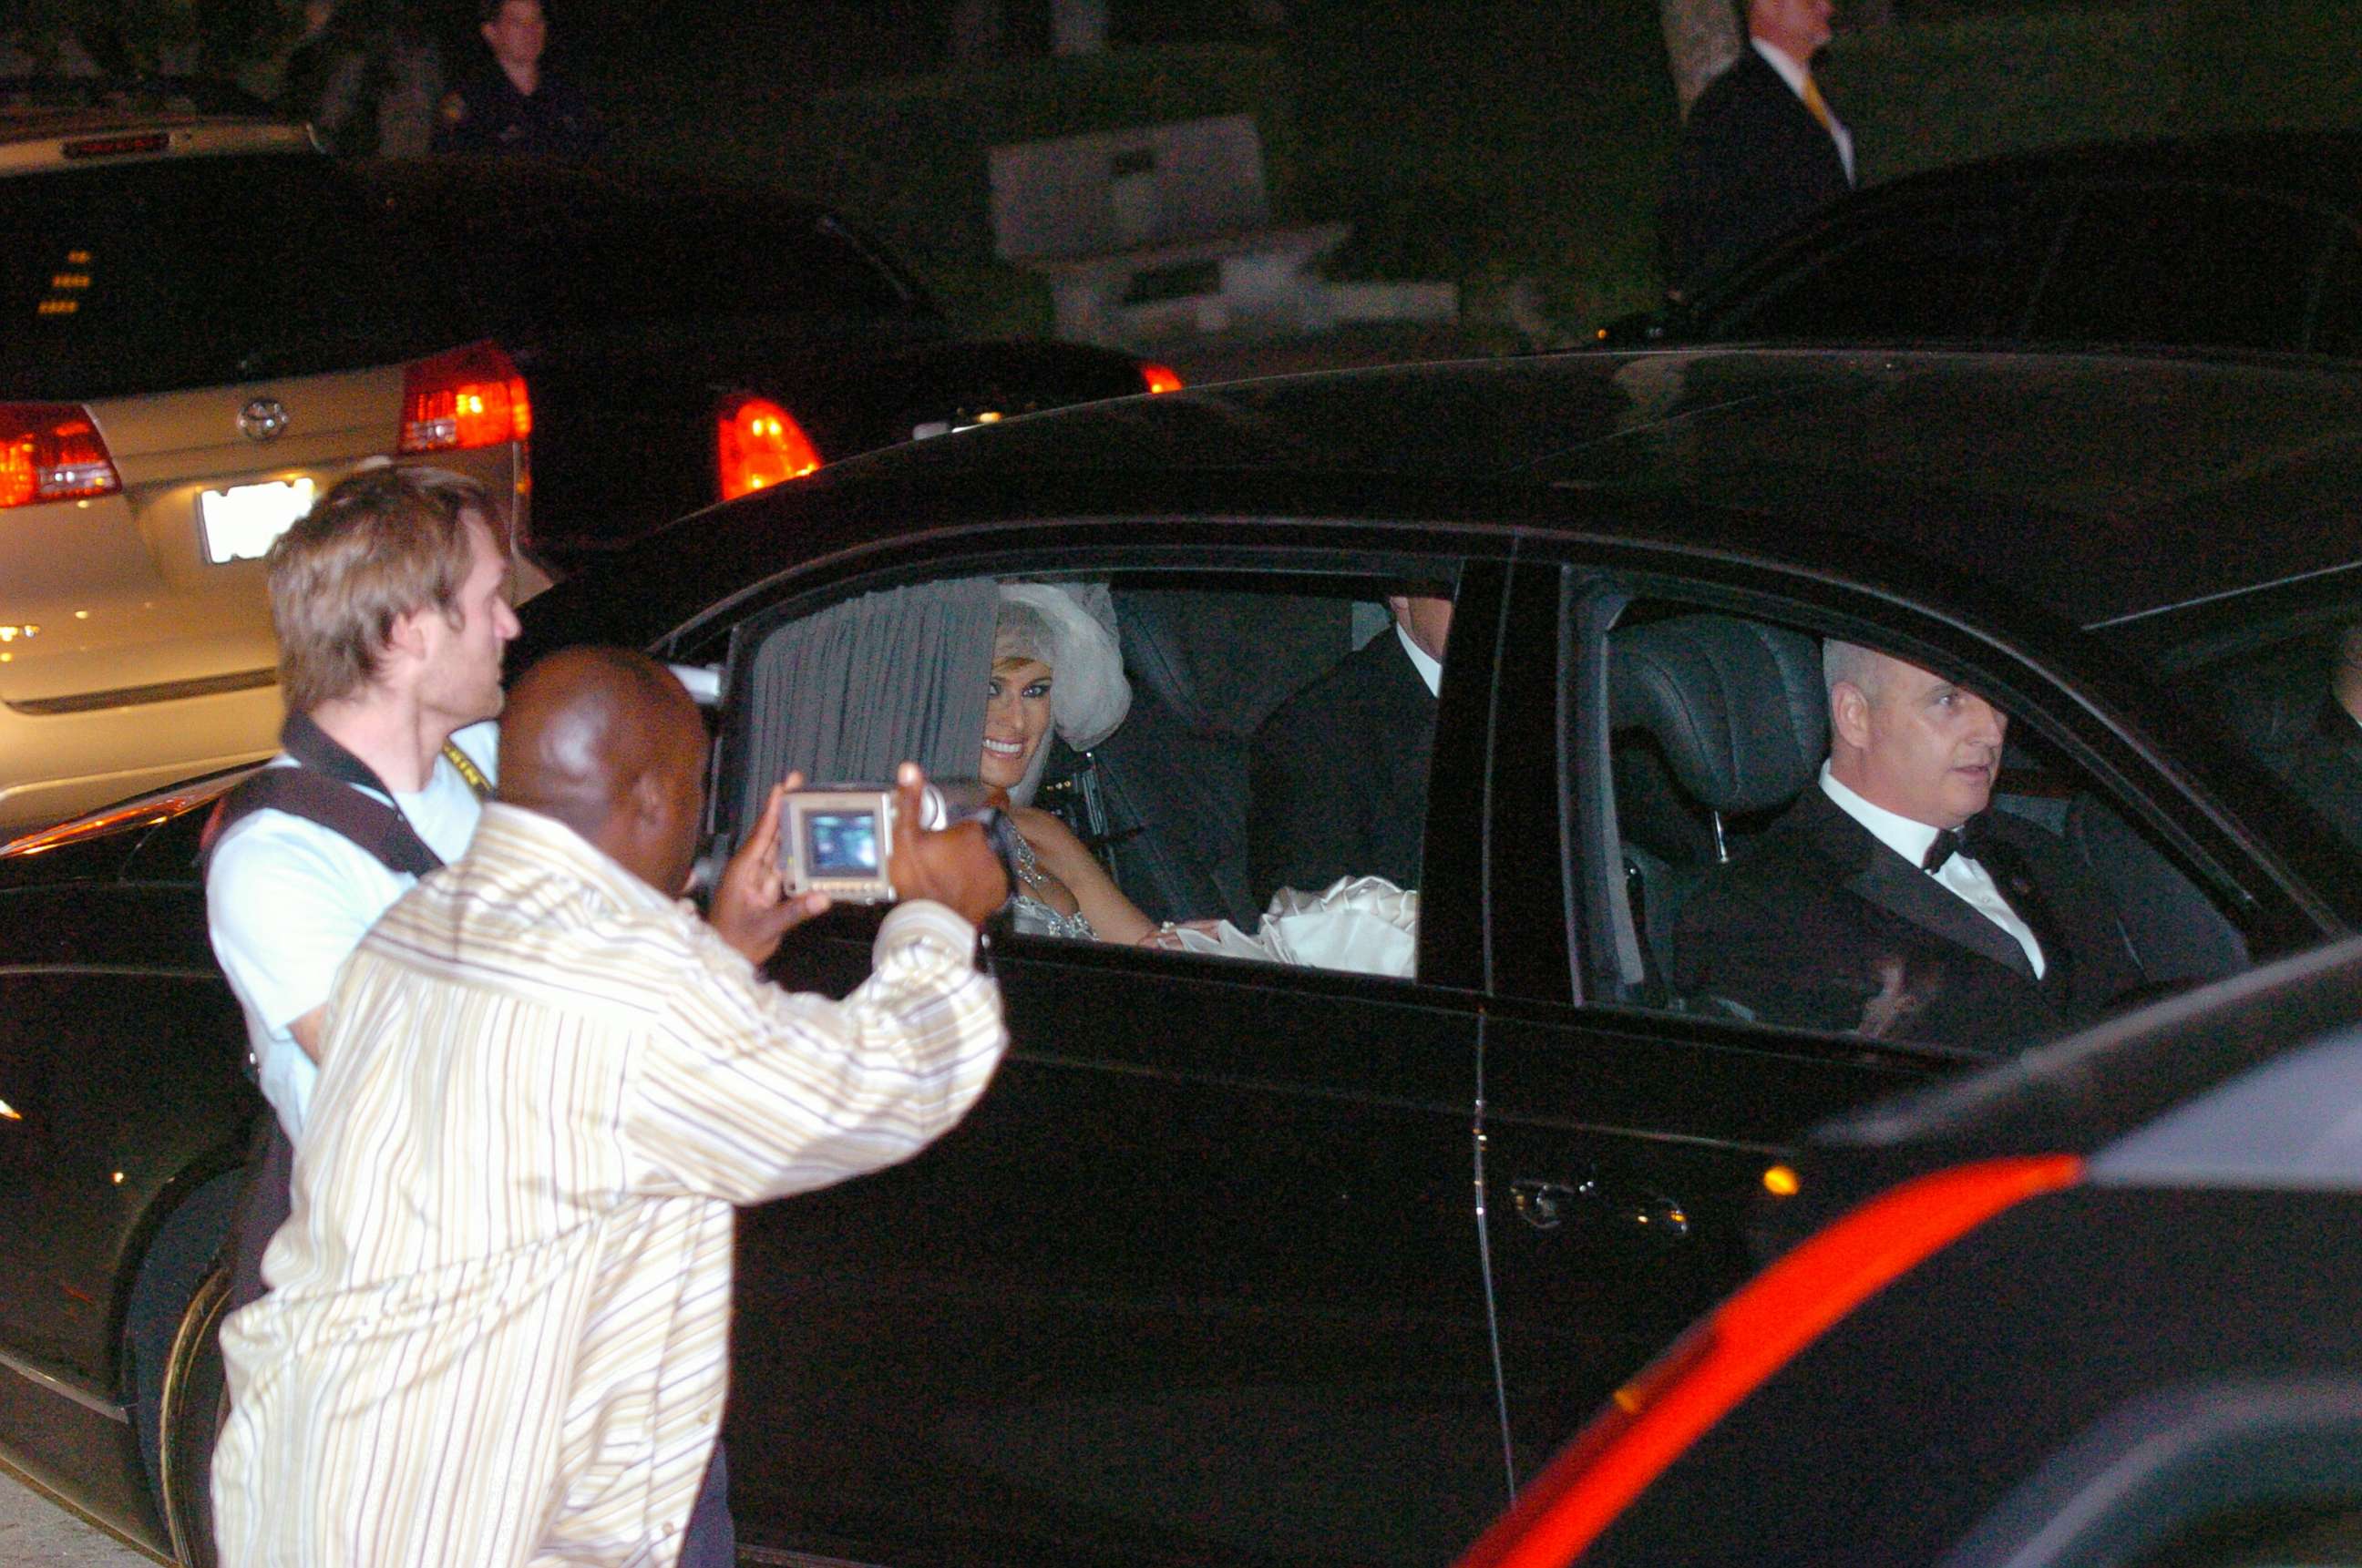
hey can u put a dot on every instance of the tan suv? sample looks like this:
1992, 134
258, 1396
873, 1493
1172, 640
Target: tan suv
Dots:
200, 330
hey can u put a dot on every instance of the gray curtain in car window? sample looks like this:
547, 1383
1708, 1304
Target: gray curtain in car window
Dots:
846, 695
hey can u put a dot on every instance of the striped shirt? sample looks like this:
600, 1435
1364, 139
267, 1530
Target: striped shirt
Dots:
498, 1327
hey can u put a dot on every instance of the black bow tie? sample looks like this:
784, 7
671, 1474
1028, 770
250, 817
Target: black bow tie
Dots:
1949, 842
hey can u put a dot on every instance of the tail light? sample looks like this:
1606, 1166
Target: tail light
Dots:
1728, 1355
1160, 378
52, 451
758, 444
470, 397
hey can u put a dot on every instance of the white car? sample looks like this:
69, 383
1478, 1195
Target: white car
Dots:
201, 333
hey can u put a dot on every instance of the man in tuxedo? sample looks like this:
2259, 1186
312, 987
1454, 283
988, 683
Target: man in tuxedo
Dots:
1761, 148
1338, 784
1890, 901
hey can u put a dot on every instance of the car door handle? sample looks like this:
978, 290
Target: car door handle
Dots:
1586, 1201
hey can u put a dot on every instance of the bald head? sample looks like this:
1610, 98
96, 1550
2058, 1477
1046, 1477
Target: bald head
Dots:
607, 741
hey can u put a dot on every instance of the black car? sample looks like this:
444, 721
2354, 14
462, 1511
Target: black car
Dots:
2245, 241
685, 341
2090, 1306
1240, 1262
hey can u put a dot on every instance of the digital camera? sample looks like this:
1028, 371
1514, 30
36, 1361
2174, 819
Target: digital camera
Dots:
838, 839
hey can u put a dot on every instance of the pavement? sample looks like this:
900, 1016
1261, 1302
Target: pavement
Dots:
38, 1533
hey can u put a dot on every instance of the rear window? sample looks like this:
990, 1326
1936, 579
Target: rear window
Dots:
541, 251
152, 277
1943, 268
2182, 266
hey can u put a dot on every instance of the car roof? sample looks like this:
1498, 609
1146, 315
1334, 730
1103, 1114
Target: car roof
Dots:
2098, 487
456, 200
556, 181
2322, 166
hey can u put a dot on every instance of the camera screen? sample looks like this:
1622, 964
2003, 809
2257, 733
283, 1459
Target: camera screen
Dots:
841, 844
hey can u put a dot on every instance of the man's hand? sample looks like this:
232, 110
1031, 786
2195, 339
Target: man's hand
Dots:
750, 910
955, 866
1901, 993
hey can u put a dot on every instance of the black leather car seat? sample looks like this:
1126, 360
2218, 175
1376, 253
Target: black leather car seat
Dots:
1206, 669
1733, 711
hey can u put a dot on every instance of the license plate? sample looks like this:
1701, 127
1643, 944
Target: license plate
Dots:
240, 522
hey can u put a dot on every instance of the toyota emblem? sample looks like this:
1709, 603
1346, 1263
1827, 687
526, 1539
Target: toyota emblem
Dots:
262, 419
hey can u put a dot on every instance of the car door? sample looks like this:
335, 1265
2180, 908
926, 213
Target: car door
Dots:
1631, 1126
1199, 1280
1622, 1148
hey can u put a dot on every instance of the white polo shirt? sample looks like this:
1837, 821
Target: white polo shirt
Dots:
287, 900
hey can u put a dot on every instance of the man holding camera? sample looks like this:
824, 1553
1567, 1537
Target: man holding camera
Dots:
498, 1326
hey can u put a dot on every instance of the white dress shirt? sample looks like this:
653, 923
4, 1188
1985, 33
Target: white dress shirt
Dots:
1430, 669
1963, 876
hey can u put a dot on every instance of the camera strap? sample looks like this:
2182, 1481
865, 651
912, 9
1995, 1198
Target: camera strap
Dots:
326, 787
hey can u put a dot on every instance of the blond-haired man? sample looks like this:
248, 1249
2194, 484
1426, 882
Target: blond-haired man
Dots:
390, 600
1760, 150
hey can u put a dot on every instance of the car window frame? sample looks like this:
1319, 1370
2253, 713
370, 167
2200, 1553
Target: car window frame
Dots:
1453, 951
2120, 762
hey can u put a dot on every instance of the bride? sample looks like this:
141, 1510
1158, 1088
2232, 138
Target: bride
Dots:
1053, 664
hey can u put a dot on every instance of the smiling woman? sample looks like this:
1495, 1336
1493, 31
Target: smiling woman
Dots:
1054, 663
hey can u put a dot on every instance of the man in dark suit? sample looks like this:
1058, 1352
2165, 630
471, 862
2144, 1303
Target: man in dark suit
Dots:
1890, 901
1338, 785
1761, 148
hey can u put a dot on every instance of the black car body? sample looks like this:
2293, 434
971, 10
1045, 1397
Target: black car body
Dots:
1245, 1263
2251, 241
647, 310
2088, 1306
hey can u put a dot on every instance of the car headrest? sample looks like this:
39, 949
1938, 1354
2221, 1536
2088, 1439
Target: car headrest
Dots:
1738, 706
1221, 662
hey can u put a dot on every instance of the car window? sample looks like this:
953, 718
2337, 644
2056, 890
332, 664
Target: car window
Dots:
2181, 265
547, 254
1223, 764
1749, 890
1939, 269
2286, 691
150, 277
2337, 316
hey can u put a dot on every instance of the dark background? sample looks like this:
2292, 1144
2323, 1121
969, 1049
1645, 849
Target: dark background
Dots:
1511, 147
